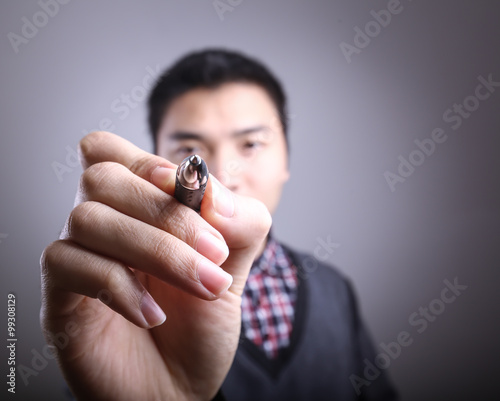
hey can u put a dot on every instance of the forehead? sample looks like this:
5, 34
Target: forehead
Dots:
228, 107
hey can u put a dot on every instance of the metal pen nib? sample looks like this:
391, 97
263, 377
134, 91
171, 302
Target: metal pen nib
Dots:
190, 181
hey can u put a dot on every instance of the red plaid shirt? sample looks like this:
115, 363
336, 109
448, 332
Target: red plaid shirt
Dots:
269, 300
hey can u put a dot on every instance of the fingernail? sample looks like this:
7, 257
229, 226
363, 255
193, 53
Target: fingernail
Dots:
151, 312
213, 278
212, 247
222, 200
163, 177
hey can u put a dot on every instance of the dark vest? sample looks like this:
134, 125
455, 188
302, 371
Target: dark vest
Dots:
328, 345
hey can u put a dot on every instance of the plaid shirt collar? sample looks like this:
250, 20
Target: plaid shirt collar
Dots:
272, 261
268, 300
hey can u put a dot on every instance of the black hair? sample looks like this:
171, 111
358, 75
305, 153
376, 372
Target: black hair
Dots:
209, 69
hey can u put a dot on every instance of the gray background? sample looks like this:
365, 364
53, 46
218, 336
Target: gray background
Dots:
349, 124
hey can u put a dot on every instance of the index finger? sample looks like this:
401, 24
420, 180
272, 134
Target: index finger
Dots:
102, 146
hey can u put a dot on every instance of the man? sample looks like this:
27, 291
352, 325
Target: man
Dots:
144, 255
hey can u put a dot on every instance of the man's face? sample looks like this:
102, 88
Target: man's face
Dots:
237, 131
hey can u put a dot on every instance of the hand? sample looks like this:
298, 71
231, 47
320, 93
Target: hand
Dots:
127, 242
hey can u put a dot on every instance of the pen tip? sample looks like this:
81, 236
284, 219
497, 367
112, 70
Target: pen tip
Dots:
195, 159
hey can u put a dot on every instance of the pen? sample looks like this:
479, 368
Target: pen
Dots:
190, 181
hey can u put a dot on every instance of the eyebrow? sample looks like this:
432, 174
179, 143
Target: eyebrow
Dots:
184, 135
187, 135
249, 130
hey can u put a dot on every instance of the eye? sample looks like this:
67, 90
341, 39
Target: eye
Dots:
251, 144
187, 150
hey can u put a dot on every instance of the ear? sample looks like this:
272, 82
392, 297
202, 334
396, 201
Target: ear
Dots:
286, 174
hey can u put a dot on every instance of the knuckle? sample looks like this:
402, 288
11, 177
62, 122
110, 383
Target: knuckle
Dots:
81, 218
95, 175
51, 257
87, 145
43, 317
170, 255
114, 279
177, 218
163, 248
142, 164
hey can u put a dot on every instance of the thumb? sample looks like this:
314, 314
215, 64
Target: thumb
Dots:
244, 223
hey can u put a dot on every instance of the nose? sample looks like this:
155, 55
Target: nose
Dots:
227, 168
